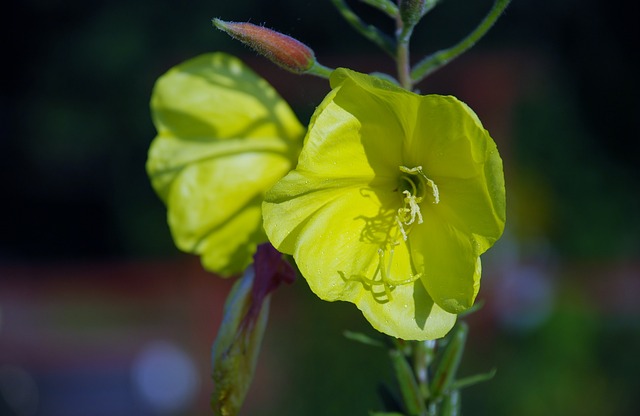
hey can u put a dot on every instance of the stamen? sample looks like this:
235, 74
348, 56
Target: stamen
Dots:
434, 190
381, 276
401, 227
410, 212
414, 208
384, 273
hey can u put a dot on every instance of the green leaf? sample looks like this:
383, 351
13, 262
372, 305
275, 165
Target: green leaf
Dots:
386, 6
448, 365
409, 389
364, 339
386, 43
471, 380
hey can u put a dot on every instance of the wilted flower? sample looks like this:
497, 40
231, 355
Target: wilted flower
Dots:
235, 351
394, 198
224, 138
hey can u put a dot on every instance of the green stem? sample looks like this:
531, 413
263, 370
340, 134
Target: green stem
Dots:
451, 404
403, 63
320, 70
411, 395
423, 355
438, 59
403, 66
445, 372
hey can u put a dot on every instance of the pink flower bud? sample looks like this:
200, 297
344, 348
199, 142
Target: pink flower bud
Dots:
282, 50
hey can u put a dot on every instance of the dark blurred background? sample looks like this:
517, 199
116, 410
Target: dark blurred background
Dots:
100, 315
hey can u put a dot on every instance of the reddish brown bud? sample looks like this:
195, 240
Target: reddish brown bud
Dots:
282, 50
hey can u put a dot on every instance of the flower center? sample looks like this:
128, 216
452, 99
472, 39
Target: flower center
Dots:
414, 185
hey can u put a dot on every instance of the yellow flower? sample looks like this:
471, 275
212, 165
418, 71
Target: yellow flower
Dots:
394, 199
224, 138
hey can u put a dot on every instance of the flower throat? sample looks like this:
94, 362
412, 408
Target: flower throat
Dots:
413, 184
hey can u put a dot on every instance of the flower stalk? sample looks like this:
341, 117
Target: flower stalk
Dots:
404, 29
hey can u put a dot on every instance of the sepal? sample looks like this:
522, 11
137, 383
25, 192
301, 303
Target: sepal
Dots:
246, 311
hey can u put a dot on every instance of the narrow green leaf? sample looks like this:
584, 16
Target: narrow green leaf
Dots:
368, 31
364, 339
471, 380
451, 357
408, 385
385, 414
386, 6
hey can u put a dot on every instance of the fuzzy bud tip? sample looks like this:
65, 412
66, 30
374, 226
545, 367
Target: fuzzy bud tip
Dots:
282, 50
411, 11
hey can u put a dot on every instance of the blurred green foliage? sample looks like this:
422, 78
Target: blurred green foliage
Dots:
577, 363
